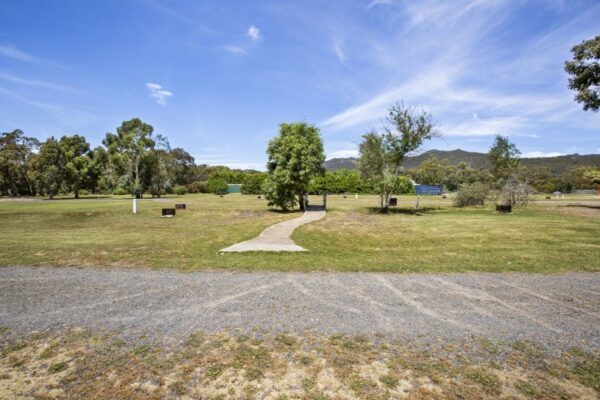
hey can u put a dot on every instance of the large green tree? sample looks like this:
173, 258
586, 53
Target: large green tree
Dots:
77, 162
16, 152
128, 148
382, 154
49, 167
503, 156
295, 156
584, 73
183, 168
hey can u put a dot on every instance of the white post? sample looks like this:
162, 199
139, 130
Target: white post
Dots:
356, 196
135, 205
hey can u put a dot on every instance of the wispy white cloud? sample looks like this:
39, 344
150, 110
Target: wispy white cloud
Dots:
69, 116
235, 50
14, 53
339, 52
36, 83
253, 33
158, 93
450, 76
379, 3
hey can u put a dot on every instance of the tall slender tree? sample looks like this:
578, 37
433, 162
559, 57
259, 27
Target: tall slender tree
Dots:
382, 154
503, 156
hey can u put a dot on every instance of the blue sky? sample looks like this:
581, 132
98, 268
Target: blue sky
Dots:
218, 77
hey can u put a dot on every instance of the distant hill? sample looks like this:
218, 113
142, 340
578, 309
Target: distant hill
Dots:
557, 164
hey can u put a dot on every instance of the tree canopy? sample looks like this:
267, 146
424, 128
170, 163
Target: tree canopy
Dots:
295, 156
584, 73
504, 158
382, 154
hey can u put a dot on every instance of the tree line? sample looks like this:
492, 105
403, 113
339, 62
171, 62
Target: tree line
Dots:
132, 160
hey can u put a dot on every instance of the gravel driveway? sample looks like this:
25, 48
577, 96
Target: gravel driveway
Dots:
553, 310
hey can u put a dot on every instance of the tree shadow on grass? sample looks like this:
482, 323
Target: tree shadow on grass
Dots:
279, 211
403, 211
593, 207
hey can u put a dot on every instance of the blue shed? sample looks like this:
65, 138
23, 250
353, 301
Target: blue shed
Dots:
428, 190
234, 188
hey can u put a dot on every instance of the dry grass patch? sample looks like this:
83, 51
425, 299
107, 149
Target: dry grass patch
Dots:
222, 366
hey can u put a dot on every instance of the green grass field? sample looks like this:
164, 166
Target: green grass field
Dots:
352, 237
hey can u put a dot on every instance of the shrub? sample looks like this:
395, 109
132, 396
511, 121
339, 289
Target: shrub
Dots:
180, 190
253, 184
197, 187
120, 191
217, 186
472, 194
514, 193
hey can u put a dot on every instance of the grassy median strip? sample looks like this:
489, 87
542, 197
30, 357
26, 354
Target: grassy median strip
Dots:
93, 365
353, 236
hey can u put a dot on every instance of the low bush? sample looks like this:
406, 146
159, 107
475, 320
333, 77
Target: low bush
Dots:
120, 191
217, 186
180, 190
197, 187
472, 194
514, 193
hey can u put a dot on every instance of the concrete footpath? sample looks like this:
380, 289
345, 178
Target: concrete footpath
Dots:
277, 237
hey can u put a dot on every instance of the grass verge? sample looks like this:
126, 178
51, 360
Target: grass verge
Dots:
352, 237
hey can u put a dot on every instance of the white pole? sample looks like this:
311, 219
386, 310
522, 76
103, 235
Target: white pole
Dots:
135, 205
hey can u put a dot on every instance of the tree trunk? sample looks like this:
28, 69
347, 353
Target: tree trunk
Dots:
386, 203
76, 193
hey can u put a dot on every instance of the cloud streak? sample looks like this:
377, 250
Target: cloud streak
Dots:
450, 76
36, 83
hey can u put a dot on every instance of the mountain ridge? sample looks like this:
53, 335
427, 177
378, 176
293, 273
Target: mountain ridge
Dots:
556, 164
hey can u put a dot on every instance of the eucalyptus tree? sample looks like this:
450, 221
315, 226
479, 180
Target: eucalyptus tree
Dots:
16, 152
77, 162
382, 154
128, 148
161, 167
49, 167
503, 156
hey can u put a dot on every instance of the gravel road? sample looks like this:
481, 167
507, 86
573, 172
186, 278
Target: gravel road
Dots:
553, 310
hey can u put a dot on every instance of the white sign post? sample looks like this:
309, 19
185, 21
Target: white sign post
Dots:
135, 205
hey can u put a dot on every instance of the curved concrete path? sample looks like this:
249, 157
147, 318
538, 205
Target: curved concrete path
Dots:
277, 237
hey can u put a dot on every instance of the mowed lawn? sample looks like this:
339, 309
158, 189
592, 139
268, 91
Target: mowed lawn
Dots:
352, 237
